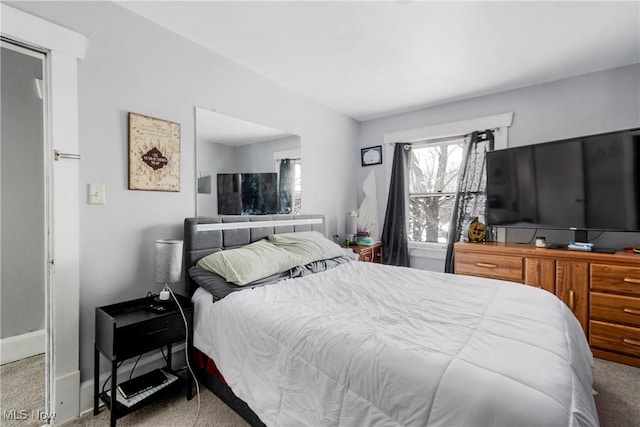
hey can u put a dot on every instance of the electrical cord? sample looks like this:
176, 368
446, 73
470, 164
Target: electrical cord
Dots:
186, 350
597, 237
535, 232
134, 366
109, 377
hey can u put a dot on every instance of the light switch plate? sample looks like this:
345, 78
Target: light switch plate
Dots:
96, 194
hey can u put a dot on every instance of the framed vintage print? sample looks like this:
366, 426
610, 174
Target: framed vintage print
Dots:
371, 155
154, 154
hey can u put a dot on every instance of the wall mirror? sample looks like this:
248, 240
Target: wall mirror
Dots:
244, 168
23, 285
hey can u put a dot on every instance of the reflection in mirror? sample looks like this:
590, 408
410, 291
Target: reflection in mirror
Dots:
23, 284
244, 168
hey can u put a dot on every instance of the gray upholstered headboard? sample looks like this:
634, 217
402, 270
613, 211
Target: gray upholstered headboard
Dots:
206, 235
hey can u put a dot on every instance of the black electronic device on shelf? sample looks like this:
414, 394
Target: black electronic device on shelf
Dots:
142, 383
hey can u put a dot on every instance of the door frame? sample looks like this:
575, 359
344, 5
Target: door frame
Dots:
63, 49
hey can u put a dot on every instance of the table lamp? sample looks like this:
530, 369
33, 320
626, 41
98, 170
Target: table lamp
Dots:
168, 264
350, 227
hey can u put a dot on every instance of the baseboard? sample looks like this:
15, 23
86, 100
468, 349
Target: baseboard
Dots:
65, 397
21, 346
146, 364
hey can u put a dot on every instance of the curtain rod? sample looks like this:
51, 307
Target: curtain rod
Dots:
482, 134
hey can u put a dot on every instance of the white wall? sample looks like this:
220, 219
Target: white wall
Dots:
588, 104
213, 159
258, 157
133, 65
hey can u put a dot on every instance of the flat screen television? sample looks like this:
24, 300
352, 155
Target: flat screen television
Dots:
581, 184
247, 193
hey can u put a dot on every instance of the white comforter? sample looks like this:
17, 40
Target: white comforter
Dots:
366, 344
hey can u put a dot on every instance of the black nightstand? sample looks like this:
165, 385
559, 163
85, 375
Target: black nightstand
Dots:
128, 329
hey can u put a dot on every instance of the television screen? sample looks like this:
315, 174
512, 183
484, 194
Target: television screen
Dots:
586, 183
259, 193
247, 193
229, 198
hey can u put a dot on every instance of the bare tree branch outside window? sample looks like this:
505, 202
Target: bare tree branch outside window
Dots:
433, 176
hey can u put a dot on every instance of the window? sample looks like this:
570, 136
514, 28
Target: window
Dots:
434, 169
297, 194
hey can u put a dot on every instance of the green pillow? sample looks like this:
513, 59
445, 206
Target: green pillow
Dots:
251, 262
309, 245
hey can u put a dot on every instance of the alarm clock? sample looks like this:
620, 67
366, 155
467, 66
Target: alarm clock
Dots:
474, 230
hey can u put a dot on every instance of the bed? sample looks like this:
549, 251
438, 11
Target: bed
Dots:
341, 342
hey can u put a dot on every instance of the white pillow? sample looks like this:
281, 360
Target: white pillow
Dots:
251, 262
309, 245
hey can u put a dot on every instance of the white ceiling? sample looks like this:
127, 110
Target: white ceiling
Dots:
368, 59
223, 129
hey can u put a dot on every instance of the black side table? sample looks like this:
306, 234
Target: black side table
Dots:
128, 329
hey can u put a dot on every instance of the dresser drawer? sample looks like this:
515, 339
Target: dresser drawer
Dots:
615, 308
503, 267
365, 255
616, 338
615, 278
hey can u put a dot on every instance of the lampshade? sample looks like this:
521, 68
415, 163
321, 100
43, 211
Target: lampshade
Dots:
351, 224
168, 261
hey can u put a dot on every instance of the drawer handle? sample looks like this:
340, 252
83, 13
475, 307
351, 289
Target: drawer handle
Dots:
157, 331
631, 311
571, 300
631, 342
630, 280
486, 265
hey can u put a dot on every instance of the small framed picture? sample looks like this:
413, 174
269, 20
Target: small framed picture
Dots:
371, 155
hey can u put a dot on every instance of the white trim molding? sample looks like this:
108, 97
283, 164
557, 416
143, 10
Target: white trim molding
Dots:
444, 130
29, 29
21, 346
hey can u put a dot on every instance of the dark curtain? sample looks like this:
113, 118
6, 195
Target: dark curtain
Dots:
394, 232
471, 197
286, 186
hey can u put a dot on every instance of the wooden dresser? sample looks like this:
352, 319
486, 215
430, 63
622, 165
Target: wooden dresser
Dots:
371, 253
602, 290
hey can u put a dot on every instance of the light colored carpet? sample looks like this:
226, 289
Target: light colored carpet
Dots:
618, 399
22, 387
173, 410
22, 392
